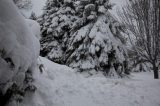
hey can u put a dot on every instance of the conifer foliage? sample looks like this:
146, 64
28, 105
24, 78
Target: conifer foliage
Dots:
83, 35
55, 24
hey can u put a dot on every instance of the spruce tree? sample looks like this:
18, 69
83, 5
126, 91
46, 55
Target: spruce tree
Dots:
55, 24
97, 43
93, 40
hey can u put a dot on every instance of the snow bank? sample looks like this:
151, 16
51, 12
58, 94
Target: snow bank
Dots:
58, 85
18, 45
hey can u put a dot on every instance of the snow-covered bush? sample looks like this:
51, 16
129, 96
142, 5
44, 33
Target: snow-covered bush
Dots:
19, 50
33, 16
83, 35
137, 63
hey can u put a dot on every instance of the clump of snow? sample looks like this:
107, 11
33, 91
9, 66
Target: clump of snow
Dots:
19, 45
34, 27
101, 9
58, 85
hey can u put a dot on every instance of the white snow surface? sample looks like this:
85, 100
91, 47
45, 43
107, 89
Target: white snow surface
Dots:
34, 27
59, 85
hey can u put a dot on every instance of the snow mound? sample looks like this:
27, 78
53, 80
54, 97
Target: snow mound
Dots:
34, 27
19, 48
58, 85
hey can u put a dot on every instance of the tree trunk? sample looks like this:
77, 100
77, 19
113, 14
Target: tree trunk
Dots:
155, 70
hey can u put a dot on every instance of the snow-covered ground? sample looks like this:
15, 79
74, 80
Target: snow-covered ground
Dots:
59, 85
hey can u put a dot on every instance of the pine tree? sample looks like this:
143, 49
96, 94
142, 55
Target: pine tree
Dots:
93, 41
55, 27
97, 42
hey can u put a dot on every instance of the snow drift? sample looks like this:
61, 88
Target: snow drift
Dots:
59, 85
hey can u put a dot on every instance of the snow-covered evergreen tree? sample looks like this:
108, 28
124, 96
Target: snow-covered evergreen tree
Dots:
94, 47
93, 40
55, 27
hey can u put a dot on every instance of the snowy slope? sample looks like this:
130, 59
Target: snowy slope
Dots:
58, 85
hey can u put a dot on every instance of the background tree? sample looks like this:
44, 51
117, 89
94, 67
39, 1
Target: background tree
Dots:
55, 25
142, 20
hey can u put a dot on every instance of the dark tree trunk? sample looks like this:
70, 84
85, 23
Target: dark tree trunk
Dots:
155, 70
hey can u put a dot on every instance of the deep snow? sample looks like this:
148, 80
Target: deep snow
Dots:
59, 85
